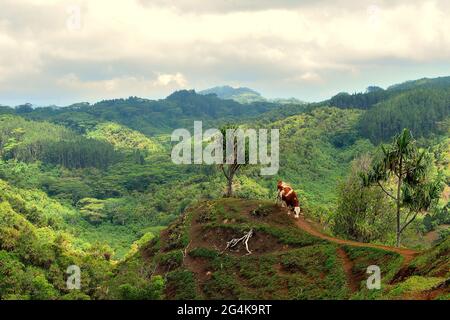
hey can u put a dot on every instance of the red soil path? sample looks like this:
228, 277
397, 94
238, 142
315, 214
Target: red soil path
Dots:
303, 224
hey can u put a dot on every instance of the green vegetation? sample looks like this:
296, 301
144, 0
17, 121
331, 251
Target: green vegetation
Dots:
265, 275
35, 251
415, 284
147, 116
422, 111
434, 261
94, 186
123, 138
415, 187
29, 141
316, 149
280, 267
362, 213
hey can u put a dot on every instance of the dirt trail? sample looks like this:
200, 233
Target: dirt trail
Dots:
348, 269
303, 224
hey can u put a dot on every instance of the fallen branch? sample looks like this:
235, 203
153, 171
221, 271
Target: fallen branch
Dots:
244, 239
185, 249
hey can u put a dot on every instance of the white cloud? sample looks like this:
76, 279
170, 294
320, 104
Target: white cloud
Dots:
150, 47
171, 79
123, 86
307, 77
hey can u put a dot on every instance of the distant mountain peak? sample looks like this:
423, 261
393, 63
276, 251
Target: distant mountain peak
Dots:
240, 94
245, 95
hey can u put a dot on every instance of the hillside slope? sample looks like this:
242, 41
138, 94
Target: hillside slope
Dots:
288, 260
36, 249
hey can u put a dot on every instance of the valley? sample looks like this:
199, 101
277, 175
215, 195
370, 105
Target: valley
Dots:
94, 185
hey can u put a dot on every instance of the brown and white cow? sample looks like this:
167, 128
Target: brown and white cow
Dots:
288, 197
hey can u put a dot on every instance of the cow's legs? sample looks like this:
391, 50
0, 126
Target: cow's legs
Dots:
290, 209
280, 199
297, 212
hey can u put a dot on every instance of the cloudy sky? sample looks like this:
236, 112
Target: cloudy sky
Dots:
60, 52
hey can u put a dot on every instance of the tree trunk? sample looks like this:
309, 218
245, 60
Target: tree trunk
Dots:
398, 223
399, 188
230, 186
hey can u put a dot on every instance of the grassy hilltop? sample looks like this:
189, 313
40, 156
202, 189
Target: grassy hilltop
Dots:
286, 261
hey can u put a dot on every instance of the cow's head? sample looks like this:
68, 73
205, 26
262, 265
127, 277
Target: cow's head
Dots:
280, 185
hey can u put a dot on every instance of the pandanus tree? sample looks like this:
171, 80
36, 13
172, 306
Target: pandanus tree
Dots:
403, 173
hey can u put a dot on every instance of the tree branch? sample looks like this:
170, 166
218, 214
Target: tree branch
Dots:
407, 216
382, 188
407, 224
225, 173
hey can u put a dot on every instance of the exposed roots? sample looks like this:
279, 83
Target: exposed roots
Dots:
244, 239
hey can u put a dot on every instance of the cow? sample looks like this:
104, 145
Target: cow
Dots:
288, 198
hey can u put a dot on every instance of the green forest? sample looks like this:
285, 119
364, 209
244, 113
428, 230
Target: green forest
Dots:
93, 185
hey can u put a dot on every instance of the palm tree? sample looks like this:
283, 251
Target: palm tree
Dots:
403, 162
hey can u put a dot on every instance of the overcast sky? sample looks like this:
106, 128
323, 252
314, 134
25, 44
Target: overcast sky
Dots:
60, 52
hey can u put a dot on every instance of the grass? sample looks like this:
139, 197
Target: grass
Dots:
290, 236
275, 275
296, 266
415, 284
203, 253
182, 283
389, 262
171, 260
224, 286
434, 261
278, 275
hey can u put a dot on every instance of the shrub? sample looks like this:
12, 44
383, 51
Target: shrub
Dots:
203, 253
